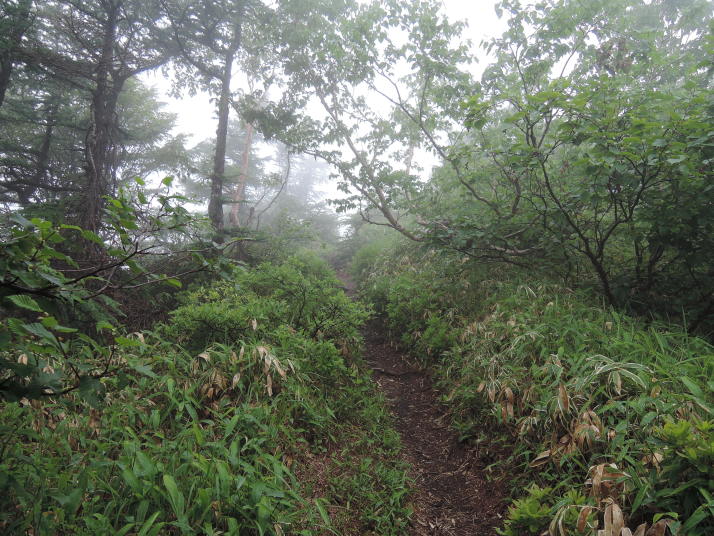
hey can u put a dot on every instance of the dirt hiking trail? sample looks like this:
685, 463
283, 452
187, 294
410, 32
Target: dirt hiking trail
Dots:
452, 495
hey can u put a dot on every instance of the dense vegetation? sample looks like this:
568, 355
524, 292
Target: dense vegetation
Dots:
603, 414
218, 422
175, 356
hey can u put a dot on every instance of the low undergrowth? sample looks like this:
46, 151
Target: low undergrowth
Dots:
609, 420
246, 413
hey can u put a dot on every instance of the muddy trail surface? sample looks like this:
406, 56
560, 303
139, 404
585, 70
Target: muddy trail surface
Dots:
453, 497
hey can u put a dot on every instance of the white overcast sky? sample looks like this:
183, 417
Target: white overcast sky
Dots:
196, 116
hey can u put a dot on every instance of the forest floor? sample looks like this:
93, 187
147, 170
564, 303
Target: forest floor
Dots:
452, 496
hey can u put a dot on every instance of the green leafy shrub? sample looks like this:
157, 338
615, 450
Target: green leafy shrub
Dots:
530, 514
685, 483
303, 294
59, 330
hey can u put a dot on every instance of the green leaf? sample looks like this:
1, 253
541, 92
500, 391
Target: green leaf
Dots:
125, 342
676, 160
22, 221
64, 329
92, 236
176, 498
692, 387
90, 388
40, 331
145, 370
71, 502
24, 301
231, 426
144, 531
323, 513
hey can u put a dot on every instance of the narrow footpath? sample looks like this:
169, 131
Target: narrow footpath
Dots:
452, 495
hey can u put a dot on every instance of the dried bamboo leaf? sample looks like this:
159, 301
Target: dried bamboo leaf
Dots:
583, 518
563, 398
541, 458
640, 531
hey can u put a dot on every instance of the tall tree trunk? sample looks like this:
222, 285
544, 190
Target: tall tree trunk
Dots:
215, 204
18, 25
5, 72
99, 141
239, 192
43, 154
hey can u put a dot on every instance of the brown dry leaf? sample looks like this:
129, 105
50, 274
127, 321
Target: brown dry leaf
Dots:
563, 398
509, 394
205, 356
640, 531
541, 458
604, 481
241, 353
236, 380
219, 379
608, 529
526, 396
481, 387
583, 518
561, 528
276, 365
269, 384
22, 359
254, 324
95, 422
491, 394
653, 459
584, 434
608, 326
618, 520
659, 528
234, 357
591, 417
626, 532
596, 480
